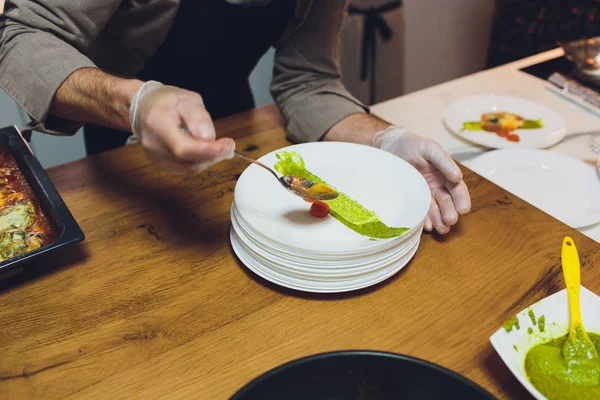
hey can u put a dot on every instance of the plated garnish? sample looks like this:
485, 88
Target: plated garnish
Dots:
343, 208
503, 123
319, 209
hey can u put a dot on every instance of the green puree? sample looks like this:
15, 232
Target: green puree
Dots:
531, 316
529, 124
511, 324
548, 371
343, 208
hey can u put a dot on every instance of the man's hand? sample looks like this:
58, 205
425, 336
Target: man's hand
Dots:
175, 129
172, 124
450, 196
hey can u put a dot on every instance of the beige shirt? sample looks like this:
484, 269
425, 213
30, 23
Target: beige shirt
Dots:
42, 42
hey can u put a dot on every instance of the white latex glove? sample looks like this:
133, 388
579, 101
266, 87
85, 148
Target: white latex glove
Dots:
450, 196
175, 129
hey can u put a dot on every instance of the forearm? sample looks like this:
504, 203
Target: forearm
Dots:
356, 128
91, 96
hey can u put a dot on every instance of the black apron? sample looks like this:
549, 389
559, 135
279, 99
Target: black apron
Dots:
212, 48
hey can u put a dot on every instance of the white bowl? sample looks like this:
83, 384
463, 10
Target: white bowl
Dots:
513, 346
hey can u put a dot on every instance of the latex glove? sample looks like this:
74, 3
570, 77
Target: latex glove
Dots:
175, 129
450, 196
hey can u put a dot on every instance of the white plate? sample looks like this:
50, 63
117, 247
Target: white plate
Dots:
513, 346
384, 245
378, 180
308, 260
284, 274
307, 286
470, 109
312, 256
324, 270
565, 188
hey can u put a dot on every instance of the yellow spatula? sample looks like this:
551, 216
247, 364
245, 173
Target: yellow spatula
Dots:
579, 351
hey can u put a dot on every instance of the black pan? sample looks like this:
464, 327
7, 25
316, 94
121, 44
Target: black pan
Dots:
65, 227
360, 375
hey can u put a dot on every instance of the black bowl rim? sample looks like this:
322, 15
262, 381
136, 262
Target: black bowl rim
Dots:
344, 353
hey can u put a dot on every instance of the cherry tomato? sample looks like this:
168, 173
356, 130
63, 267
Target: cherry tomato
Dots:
319, 209
513, 138
503, 133
309, 200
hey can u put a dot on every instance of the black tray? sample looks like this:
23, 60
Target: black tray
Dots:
66, 229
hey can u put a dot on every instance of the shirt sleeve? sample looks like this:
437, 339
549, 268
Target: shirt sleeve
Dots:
307, 84
41, 44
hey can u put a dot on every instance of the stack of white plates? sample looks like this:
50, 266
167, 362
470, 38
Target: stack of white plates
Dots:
275, 236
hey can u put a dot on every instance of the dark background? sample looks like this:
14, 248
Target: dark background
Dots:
523, 28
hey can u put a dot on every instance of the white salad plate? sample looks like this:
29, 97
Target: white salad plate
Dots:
470, 109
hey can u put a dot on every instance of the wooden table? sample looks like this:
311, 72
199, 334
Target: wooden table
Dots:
154, 304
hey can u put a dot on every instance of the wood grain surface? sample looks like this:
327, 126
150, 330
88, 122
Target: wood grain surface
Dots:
154, 304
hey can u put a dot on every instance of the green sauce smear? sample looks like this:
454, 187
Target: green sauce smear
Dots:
542, 323
511, 324
529, 124
532, 316
549, 372
343, 208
